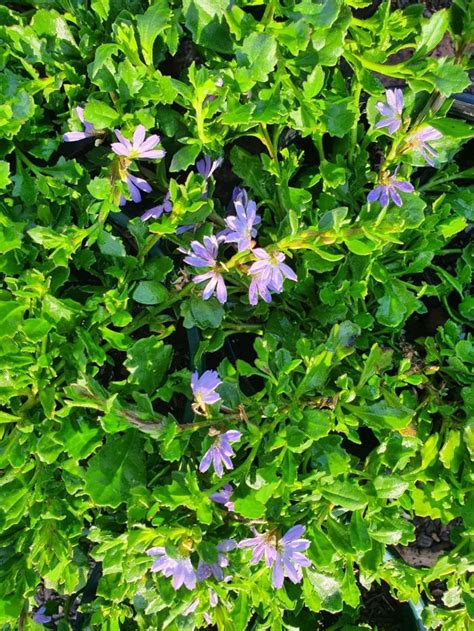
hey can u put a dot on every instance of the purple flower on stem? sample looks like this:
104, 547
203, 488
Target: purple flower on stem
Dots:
204, 388
180, 569
205, 255
240, 194
223, 497
135, 186
40, 617
191, 608
205, 570
220, 453
391, 111
241, 227
157, 211
388, 189
89, 129
419, 141
268, 273
206, 167
284, 555
139, 147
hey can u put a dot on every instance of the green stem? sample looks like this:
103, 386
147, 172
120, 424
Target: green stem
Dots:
436, 182
357, 93
269, 12
318, 141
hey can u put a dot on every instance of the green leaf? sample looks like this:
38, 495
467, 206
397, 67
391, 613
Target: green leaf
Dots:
432, 31
326, 587
451, 454
338, 115
360, 538
390, 486
184, 491
150, 292
148, 361
155, 19
110, 245
381, 414
100, 188
101, 115
345, 494
258, 54
314, 83
6, 417
184, 157
4, 174
202, 313
101, 7
115, 469
204, 18
249, 507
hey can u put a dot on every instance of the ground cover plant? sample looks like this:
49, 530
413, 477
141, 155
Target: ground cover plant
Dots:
236, 358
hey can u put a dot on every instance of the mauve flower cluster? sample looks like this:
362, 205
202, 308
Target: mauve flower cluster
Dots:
392, 119
181, 569
267, 272
283, 555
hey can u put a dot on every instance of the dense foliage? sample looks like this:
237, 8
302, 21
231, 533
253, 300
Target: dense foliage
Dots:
296, 228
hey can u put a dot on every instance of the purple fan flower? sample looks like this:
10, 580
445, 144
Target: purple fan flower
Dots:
180, 569
259, 287
391, 111
220, 453
241, 227
284, 555
268, 274
39, 615
206, 167
157, 211
135, 186
139, 147
89, 129
419, 141
223, 497
388, 189
240, 194
191, 608
205, 570
205, 255
204, 388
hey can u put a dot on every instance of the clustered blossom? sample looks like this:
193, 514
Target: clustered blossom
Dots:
241, 227
388, 189
283, 555
391, 111
223, 497
268, 273
420, 139
220, 453
181, 568
205, 255
204, 389
205, 570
